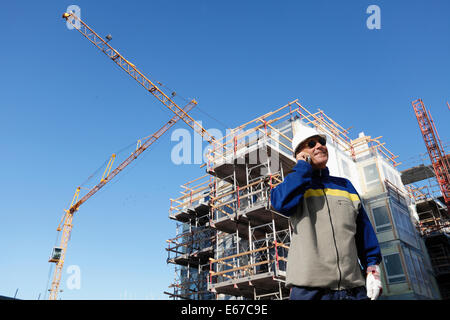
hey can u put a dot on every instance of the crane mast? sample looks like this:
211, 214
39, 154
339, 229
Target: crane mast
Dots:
59, 253
435, 149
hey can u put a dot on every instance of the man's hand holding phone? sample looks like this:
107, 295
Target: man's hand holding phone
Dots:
303, 156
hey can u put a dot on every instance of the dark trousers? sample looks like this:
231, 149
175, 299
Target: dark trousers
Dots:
309, 293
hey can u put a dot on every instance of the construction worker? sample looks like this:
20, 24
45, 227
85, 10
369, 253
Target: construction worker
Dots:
334, 253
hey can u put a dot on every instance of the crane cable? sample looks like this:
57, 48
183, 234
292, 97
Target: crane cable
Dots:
123, 149
174, 93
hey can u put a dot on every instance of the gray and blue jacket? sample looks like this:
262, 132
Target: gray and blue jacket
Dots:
330, 230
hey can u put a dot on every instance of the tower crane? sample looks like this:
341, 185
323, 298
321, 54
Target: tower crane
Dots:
438, 157
66, 225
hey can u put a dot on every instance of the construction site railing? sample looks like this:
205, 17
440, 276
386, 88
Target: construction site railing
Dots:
196, 239
192, 286
260, 260
253, 256
230, 198
261, 131
193, 193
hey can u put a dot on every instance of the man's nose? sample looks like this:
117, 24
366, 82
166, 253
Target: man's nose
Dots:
320, 147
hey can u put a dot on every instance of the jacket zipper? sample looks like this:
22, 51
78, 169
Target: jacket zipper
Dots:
334, 239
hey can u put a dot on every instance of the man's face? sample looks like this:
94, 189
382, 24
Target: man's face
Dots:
317, 151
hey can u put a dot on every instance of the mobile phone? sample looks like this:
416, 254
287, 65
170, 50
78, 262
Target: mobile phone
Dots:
308, 159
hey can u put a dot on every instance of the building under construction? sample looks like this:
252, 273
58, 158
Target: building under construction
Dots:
433, 223
231, 244
428, 185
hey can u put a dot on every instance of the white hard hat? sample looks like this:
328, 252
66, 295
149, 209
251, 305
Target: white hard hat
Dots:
301, 134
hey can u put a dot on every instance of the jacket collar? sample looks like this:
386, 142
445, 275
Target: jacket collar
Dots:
321, 173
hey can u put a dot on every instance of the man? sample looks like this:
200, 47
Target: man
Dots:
330, 229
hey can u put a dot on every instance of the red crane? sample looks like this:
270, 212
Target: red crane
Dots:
435, 149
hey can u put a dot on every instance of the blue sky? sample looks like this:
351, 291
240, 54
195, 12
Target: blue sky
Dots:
65, 108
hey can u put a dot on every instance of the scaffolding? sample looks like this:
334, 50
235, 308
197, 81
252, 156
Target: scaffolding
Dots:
425, 193
190, 284
193, 204
240, 143
432, 213
433, 219
254, 268
190, 250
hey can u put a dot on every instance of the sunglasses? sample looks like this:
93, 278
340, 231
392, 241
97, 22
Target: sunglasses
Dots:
312, 143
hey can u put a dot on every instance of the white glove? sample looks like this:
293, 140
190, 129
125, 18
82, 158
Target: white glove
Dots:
373, 282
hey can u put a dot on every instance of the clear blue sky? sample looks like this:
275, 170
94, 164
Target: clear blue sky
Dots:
64, 108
